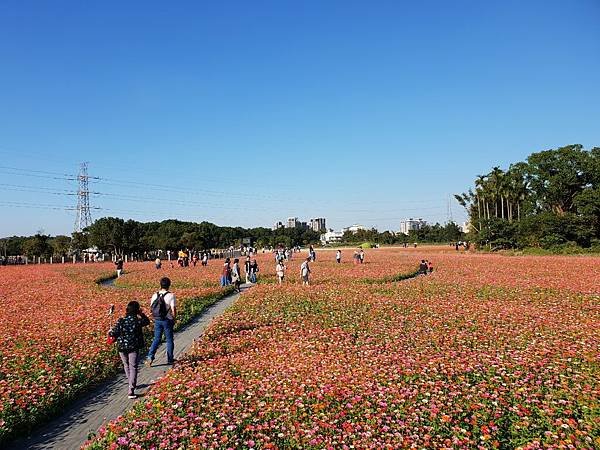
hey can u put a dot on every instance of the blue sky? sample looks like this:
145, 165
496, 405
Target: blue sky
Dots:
244, 113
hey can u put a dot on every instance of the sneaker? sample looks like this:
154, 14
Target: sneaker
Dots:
148, 362
132, 396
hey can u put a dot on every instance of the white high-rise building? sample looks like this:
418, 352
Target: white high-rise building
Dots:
411, 224
292, 222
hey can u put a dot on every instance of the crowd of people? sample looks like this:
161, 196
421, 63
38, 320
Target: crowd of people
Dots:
185, 258
128, 330
232, 275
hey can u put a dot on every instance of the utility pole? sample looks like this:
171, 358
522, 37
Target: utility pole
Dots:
84, 216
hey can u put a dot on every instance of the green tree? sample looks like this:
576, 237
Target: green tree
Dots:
38, 245
108, 234
61, 245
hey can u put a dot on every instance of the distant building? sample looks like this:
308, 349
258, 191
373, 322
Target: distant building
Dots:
465, 227
292, 222
318, 225
331, 237
277, 225
353, 229
411, 224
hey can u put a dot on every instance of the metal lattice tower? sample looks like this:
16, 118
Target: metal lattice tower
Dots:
449, 209
84, 216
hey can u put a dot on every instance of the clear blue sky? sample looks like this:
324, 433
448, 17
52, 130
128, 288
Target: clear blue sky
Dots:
244, 113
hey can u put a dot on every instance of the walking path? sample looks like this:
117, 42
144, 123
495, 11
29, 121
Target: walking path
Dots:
109, 400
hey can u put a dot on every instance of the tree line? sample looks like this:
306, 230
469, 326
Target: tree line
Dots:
551, 200
117, 236
436, 233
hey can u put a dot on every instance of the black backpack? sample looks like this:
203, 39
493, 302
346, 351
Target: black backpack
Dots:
159, 307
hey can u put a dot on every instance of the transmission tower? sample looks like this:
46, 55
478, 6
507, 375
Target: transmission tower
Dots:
449, 217
84, 216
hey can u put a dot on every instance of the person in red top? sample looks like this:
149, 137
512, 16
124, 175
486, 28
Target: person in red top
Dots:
226, 274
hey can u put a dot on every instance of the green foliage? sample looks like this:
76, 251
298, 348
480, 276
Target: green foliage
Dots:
61, 245
550, 201
38, 245
428, 233
12, 245
114, 235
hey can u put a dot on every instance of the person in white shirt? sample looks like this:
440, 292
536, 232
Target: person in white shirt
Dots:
164, 311
338, 256
280, 271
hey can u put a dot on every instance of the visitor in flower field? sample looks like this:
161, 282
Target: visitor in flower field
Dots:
247, 265
361, 256
205, 259
423, 267
226, 273
236, 277
356, 257
430, 266
305, 272
130, 341
253, 271
280, 271
157, 263
338, 256
119, 266
164, 313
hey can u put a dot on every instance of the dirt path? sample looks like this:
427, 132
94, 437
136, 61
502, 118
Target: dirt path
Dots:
109, 400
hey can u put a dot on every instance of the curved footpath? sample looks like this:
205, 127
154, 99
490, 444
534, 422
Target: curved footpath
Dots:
109, 400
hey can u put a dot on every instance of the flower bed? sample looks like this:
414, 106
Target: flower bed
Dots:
443, 361
55, 322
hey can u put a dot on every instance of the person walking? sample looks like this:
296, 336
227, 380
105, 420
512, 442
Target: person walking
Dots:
157, 263
423, 267
119, 267
205, 259
226, 273
361, 256
130, 341
164, 313
253, 271
280, 271
247, 265
236, 277
338, 256
430, 266
305, 272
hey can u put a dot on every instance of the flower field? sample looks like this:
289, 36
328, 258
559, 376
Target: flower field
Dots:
487, 352
55, 321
